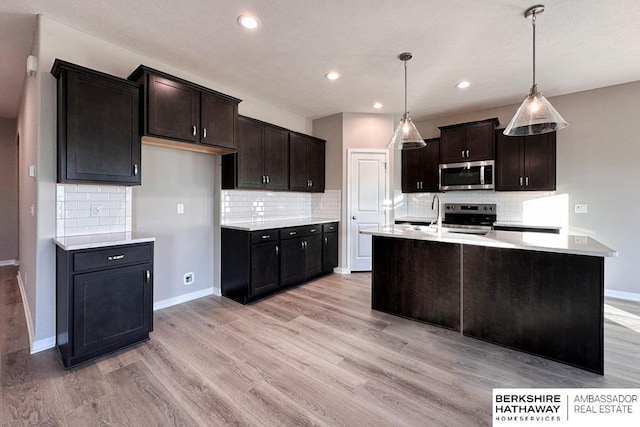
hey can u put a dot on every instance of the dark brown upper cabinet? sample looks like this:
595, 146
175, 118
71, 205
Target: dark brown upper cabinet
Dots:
420, 168
306, 163
178, 110
467, 142
262, 159
98, 126
525, 163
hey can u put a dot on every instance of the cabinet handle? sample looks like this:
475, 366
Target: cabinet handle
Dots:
204, 132
266, 236
467, 154
148, 276
195, 130
115, 257
313, 230
268, 179
311, 183
277, 249
302, 245
326, 240
526, 181
462, 154
293, 233
520, 181
135, 170
263, 179
305, 244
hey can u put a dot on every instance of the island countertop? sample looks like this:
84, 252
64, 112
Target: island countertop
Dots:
558, 243
272, 224
91, 241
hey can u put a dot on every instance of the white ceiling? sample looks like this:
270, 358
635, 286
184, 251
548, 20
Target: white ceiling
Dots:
581, 45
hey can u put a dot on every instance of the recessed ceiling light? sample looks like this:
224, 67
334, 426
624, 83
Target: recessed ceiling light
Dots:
377, 105
249, 22
463, 84
332, 75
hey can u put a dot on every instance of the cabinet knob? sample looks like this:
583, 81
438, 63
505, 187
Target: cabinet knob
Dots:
204, 132
195, 130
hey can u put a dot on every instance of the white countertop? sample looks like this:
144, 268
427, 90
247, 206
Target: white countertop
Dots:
521, 224
89, 241
544, 242
268, 225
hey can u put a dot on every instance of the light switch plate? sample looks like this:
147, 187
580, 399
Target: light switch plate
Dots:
180, 208
580, 208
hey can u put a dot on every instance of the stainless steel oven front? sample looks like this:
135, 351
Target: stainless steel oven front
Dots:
467, 176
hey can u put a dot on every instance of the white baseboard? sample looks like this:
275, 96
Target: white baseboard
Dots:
182, 298
629, 296
9, 262
39, 345
339, 270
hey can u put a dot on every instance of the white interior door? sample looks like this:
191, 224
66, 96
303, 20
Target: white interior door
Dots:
367, 195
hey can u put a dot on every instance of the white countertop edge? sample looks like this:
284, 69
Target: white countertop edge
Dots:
543, 242
91, 241
281, 223
519, 224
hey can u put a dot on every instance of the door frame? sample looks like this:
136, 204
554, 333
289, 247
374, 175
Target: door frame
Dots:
347, 204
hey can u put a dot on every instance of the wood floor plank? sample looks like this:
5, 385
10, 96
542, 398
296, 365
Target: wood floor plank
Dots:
104, 411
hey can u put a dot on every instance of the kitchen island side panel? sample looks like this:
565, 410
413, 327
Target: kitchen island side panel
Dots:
548, 304
417, 279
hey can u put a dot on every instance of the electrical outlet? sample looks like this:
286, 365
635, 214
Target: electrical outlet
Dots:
189, 278
96, 210
180, 208
580, 240
580, 208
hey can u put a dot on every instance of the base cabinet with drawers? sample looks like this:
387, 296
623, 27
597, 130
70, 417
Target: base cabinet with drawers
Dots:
104, 300
258, 263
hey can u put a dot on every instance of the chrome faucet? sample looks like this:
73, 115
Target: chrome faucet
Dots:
438, 217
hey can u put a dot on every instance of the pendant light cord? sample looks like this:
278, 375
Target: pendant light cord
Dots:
406, 113
533, 24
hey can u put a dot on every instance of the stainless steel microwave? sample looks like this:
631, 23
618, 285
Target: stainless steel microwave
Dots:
467, 176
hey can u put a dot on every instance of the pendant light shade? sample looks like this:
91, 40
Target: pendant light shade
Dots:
406, 136
536, 115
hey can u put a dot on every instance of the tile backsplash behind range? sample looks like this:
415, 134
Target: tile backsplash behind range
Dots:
74, 204
254, 206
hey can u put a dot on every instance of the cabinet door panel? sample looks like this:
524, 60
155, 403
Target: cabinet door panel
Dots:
479, 141
329, 252
313, 256
110, 306
411, 170
250, 165
102, 135
298, 178
291, 261
509, 162
315, 165
452, 144
540, 161
276, 157
219, 120
264, 267
174, 109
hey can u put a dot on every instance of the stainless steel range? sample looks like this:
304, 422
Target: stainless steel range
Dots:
469, 218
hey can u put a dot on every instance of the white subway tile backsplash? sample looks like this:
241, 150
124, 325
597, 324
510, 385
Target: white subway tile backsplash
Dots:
74, 202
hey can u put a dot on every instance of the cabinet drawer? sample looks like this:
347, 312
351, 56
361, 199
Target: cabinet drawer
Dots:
330, 228
111, 257
264, 236
292, 232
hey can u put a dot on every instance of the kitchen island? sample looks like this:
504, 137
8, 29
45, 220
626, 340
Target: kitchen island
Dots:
533, 292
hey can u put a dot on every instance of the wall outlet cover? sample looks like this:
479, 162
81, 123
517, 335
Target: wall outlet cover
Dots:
188, 278
580, 208
96, 210
180, 208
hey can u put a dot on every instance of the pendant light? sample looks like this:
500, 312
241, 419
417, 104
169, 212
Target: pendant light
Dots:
536, 115
406, 136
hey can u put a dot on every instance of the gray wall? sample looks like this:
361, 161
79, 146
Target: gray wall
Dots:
8, 191
597, 164
184, 243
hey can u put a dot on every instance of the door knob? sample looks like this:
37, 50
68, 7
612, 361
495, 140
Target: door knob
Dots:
354, 217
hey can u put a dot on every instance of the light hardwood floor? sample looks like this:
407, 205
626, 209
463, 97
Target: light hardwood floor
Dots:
315, 355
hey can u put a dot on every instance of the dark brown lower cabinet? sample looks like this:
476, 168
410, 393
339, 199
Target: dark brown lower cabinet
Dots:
258, 263
104, 300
